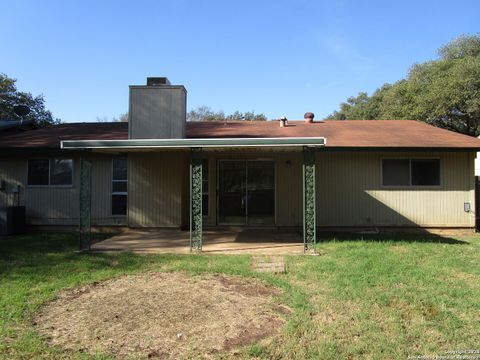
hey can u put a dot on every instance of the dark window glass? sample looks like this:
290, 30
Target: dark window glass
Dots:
425, 172
205, 187
119, 169
61, 171
119, 204
38, 172
396, 172
119, 186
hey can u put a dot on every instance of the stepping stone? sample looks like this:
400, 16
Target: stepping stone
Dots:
271, 264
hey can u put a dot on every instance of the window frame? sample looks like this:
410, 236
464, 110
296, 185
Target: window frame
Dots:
122, 193
50, 185
410, 186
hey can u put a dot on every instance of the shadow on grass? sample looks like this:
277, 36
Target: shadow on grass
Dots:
42, 255
388, 237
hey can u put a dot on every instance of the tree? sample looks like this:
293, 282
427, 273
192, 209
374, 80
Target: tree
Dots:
205, 113
10, 96
121, 118
443, 92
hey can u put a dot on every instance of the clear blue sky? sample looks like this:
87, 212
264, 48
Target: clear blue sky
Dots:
280, 57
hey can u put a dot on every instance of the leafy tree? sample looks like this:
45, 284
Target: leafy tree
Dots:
205, 113
10, 96
443, 92
121, 118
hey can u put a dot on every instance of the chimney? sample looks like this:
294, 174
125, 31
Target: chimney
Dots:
155, 81
309, 117
157, 110
283, 121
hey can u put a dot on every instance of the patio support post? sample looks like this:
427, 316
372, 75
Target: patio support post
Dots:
196, 200
309, 194
85, 193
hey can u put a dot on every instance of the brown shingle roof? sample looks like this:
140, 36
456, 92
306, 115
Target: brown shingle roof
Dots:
338, 133
50, 137
343, 133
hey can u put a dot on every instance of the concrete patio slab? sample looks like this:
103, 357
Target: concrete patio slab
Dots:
172, 241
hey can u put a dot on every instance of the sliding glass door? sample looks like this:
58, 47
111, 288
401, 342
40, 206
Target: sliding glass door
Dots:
246, 192
232, 176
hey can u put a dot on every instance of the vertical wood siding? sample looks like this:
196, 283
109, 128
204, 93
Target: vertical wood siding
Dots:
44, 204
289, 190
155, 184
102, 192
58, 205
349, 192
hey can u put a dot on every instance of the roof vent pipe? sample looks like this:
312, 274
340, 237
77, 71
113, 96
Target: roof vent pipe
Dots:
309, 117
283, 121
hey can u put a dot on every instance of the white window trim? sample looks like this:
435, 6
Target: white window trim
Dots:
410, 186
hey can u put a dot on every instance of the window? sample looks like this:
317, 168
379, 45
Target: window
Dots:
205, 187
119, 186
410, 172
50, 172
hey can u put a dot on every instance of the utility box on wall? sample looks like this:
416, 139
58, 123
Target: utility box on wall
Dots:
157, 110
15, 220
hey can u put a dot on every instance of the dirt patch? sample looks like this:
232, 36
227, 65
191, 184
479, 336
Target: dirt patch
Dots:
162, 315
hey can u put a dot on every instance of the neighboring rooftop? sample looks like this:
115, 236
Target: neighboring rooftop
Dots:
338, 133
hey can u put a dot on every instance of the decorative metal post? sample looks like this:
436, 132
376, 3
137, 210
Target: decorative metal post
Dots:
309, 211
195, 200
85, 204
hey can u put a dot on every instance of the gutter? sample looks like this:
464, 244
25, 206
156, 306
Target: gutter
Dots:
192, 143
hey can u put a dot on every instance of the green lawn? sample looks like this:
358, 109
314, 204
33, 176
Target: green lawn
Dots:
368, 298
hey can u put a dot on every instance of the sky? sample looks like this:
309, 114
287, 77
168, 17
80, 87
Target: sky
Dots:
279, 58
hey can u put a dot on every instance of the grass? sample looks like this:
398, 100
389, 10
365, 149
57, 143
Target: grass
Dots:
373, 298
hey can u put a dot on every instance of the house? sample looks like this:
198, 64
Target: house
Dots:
161, 171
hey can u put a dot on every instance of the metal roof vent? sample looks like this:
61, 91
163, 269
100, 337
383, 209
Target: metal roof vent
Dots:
309, 117
156, 81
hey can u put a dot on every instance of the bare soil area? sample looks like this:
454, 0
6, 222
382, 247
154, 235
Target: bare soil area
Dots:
162, 315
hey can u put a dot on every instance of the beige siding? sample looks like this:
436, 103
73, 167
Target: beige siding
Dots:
58, 205
44, 204
102, 192
350, 192
155, 185
289, 190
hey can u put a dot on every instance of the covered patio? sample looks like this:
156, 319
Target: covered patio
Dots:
231, 241
196, 151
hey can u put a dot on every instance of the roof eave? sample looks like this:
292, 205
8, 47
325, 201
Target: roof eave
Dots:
139, 144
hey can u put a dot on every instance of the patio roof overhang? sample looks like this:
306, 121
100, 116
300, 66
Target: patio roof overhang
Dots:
186, 144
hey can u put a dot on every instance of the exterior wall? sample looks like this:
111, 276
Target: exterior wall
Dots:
349, 192
155, 185
477, 164
102, 192
57, 205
